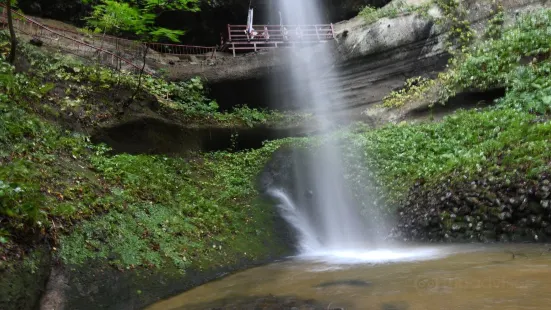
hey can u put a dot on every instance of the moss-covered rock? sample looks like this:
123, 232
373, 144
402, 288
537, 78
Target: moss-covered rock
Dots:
23, 282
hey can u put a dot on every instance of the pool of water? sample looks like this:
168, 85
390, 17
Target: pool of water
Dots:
439, 277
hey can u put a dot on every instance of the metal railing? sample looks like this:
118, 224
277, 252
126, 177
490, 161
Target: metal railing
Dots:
275, 36
132, 45
107, 42
27, 26
289, 33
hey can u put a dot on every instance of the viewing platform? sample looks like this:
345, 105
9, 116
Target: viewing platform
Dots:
275, 36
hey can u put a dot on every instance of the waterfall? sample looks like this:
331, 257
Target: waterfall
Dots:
333, 222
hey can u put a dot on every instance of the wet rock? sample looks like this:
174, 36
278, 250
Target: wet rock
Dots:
522, 222
535, 207
395, 306
534, 221
488, 236
457, 227
36, 42
464, 211
504, 216
520, 237
487, 209
544, 192
514, 201
358, 283
479, 226
503, 238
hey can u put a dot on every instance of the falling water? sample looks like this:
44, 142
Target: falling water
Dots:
334, 223
328, 223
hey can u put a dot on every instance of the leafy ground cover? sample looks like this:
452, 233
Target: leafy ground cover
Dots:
514, 57
138, 211
74, 89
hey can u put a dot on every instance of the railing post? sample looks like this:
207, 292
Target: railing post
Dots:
233, 48
332, 31
229, 33
317, 33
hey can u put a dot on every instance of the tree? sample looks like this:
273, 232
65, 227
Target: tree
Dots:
13, 38
138, 17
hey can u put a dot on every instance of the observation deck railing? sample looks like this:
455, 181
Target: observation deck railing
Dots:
275, 36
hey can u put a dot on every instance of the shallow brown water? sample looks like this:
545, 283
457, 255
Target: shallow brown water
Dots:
469, 277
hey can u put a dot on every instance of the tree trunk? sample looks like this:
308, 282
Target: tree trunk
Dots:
141, 73
13, 49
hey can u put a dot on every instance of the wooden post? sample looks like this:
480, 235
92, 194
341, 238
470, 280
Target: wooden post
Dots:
233, 48
229, 33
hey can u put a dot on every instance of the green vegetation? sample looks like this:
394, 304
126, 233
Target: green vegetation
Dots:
137, 17
503, 142
413, 89
517, 60
514, 57
71, 87
454, 16
392, 10
136, 211
171, 210
495, 24
500, 142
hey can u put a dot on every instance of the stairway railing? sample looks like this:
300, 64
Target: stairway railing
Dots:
127, 52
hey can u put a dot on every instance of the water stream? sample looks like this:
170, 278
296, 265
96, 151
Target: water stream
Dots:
457, 277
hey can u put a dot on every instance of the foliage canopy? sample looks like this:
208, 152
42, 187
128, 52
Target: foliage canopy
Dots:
137, 17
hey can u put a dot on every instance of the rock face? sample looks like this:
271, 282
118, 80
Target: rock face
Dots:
370, 61
485, 210
22, 282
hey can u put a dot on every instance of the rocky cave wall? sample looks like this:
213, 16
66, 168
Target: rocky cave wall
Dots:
371, 60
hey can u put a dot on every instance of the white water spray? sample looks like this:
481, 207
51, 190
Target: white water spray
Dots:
334, 224
329, 226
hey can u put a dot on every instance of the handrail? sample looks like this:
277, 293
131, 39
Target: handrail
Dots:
164, 48
288, 33
161, 47
80, 43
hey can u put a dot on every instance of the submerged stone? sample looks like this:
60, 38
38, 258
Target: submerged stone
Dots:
359, 283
